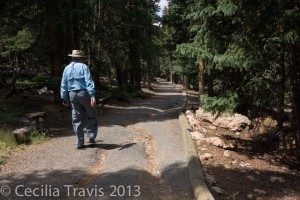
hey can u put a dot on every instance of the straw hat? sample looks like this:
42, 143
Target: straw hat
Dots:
76, 53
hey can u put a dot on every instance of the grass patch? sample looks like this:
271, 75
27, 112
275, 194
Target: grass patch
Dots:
22, 83
36, 137
7, 139
37, 81
7, 144
3, 159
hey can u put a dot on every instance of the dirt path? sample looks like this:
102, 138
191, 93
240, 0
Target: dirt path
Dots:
139, 155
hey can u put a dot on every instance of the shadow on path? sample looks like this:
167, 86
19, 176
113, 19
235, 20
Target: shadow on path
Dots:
164, 105
124, 184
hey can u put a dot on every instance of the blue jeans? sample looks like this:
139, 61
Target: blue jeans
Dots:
81, 105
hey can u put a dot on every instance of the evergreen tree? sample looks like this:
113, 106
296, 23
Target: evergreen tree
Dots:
175, 27
246, 52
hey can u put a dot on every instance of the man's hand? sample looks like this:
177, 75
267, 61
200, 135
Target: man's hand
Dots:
93, 102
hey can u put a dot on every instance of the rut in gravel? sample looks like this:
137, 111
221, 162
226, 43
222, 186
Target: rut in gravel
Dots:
143, 137
146, 139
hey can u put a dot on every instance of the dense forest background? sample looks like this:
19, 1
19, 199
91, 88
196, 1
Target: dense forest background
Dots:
241, 55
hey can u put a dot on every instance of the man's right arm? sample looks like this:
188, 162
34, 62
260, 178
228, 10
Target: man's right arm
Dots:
90, 86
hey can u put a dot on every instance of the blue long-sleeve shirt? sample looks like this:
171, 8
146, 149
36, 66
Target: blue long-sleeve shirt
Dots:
76, 76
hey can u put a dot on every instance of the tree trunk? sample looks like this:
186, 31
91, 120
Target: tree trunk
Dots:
134, 57
76, 29
95, 43
186, 82
201, 79
281, 95
54, 46
131, 77
119, 75
138, 80
55, 55
210, 83
170, 76
210, 86
54, 50
2, 79
150, 59
12, 86
171, 73
149, 78
294, 81
281, 91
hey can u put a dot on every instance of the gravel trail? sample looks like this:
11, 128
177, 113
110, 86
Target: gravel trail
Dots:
139, 155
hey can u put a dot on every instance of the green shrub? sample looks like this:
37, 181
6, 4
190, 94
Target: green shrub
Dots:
220, 104
104, 86
9, 113
127, 93
121, 95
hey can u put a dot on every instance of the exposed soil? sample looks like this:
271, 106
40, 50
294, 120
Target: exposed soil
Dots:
254, 169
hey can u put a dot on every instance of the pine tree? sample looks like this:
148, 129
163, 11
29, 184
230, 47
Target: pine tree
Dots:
246, 50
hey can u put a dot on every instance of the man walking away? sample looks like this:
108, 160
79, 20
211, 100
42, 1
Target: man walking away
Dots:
78, 89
